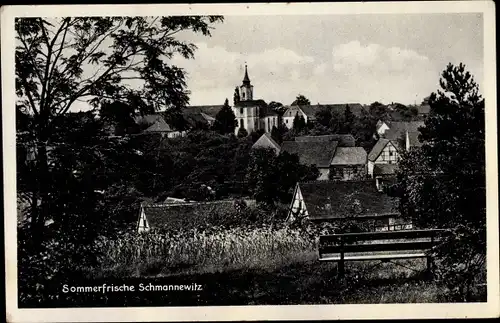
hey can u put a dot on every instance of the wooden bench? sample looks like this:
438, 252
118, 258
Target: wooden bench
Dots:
384, 246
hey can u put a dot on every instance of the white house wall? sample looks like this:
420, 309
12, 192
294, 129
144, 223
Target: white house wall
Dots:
298, 206
388, 148
143, 225
323, 174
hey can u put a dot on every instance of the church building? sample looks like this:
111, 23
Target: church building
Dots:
252, 115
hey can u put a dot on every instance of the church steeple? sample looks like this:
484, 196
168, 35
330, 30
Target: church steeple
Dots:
246, 79
246, 89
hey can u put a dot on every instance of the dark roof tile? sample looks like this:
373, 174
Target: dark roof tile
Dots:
343, 140
176, 216
341, 199
350, 156
312, 153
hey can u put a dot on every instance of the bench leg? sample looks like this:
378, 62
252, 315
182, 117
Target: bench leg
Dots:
430, 267
341, 268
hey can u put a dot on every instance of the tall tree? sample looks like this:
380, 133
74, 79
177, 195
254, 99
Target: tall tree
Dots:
62, 61
236, 96
323, 117
348, 120
443, 184
225, 120
301, 100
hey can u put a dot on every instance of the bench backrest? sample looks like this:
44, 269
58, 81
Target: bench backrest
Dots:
379, 241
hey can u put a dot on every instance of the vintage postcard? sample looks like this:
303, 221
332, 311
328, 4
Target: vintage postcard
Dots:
250, 161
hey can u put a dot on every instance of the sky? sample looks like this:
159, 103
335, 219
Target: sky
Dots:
358, 58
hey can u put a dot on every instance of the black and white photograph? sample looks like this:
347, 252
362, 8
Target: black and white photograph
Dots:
189, 159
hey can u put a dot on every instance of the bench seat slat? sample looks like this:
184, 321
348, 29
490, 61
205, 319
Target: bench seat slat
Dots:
402, 234
375, 257
378, 247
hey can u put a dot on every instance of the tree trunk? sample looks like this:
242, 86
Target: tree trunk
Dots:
41, 195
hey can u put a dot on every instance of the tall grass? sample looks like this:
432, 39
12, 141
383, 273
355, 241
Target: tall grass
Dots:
210, 250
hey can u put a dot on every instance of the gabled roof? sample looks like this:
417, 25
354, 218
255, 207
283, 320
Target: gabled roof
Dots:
341, 199
251, 103
266, 141
343, 140
398, 128
379, 146
291, 111
397, 131
176, 216
160, 125
350, 156
319, 153
385, 169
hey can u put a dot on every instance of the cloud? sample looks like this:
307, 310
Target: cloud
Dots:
355, 72
215, 72
355, 57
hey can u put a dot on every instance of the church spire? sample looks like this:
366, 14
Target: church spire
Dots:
246, 79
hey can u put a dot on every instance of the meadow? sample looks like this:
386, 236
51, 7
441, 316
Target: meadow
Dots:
254, 265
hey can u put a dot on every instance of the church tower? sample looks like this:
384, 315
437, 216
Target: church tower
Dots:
246, 89
246, 110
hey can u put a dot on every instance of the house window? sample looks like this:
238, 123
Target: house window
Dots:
243, 95
241, 123
241, 110
286, 120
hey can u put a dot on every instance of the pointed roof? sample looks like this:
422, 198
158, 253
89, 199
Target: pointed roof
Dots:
266, 141
246, 79
379, 146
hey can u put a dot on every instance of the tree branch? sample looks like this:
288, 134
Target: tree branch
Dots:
30, 97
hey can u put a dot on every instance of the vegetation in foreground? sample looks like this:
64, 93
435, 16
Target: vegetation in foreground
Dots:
242, 266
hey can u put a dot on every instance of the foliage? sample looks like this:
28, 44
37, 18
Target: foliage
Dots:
299, 123
52, 59
272, 178
442, 185
225, 121
277, 107
77, 176
236, 96
348, 121
278, 133
242, 133
255, 135
301, 100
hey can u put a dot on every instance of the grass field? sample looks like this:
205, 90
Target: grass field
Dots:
248, 266
243, 266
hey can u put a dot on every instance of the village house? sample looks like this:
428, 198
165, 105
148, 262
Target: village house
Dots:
313, 150
309, 111
349, 163
394, 138
266, 141
331, 201
156, 124
176, 214
321, 151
